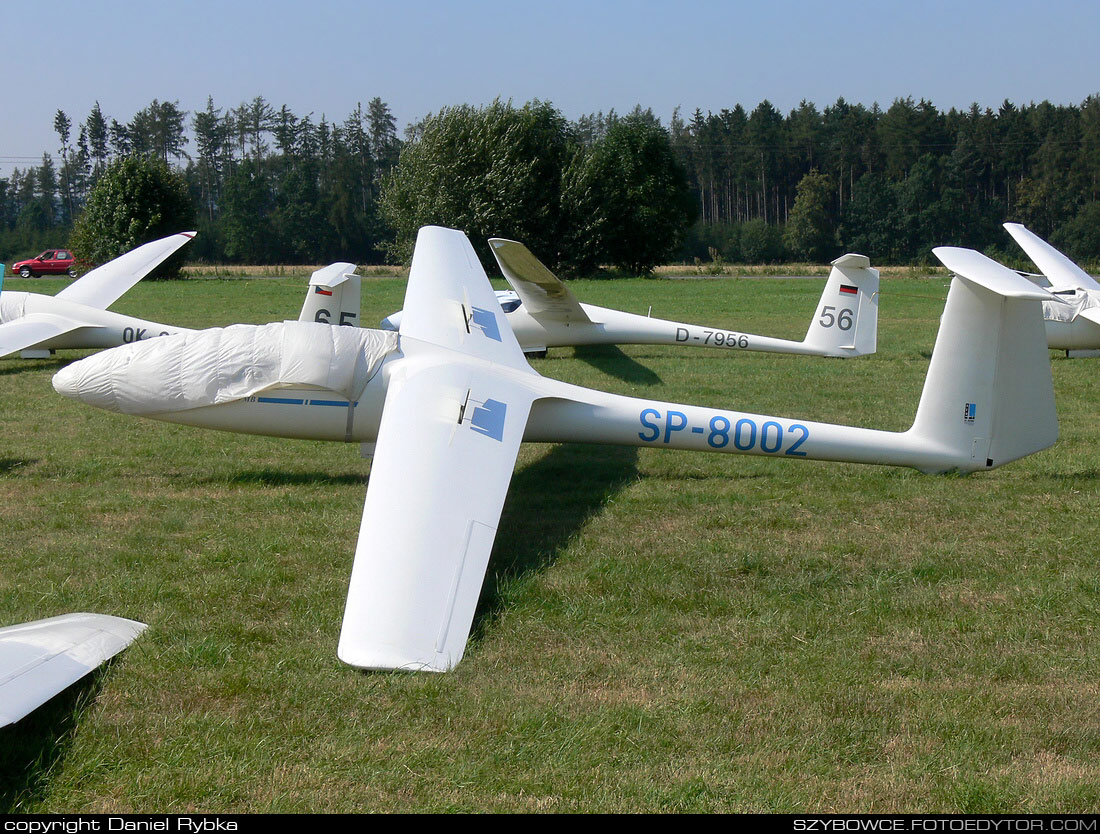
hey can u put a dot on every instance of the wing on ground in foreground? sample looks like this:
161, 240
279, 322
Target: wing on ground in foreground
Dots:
446, 448
543, 294
104, 285
1062, 273
40, 659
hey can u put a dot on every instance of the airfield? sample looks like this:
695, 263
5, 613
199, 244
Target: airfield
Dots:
660, 631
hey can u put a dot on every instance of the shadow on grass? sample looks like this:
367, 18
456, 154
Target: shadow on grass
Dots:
613, 362
11, 464
276, 477
548, 504
1075, 475
32, 747
22, 365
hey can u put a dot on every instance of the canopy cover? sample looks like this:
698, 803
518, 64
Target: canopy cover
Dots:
1068, 307
224, 364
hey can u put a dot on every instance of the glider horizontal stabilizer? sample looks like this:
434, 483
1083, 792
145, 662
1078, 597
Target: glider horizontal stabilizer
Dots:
40, 659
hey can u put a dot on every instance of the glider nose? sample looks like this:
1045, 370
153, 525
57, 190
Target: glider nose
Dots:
88, 380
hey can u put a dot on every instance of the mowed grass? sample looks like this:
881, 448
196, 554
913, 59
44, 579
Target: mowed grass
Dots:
660, 631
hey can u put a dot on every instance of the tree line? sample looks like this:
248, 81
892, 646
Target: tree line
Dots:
890, 183
270, 186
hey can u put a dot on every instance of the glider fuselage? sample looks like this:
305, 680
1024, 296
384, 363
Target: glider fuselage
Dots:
1080, 333
610, 327
561, 412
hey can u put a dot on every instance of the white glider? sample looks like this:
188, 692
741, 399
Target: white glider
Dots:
77, 317
449, 399
1072, 316
544, 313
40, 659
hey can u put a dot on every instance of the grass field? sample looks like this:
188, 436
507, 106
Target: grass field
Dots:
661, 631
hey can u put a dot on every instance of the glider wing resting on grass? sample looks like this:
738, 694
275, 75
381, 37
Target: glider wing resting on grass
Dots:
77, 317
40, 659
1072, 315
544, 313
448, 400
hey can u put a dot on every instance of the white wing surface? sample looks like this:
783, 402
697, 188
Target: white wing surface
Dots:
446, 448
1062, 273
543, 294
449, 301
40, 659
104, 285
455, 412
32, 329
1091, 313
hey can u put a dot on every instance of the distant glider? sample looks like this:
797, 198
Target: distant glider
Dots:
77, 317
40, 659
544, 313
446, 402
1072, 316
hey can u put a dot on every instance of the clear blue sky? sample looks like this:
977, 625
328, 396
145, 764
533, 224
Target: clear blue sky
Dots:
324, 56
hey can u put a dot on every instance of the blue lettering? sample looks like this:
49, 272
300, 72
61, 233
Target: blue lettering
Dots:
670, 427
744, 446
651, 426
764, 446
805, 434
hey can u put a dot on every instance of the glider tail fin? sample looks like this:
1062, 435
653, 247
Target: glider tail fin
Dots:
989, 394
333, 296
846, 320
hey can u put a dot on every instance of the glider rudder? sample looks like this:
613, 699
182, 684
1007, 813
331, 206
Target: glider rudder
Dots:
846, 320
989, 395
332, 296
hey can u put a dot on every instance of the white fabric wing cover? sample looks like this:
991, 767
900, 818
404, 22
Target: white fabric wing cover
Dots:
224, 364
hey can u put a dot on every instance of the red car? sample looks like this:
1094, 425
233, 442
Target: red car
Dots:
50, 262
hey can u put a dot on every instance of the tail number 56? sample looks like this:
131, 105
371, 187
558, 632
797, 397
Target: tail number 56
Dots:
843, 319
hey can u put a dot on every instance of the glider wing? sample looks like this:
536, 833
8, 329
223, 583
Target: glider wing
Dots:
32, 329
104, 285
451, 428
40, 659
1062, 273
446, 448
543, 294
